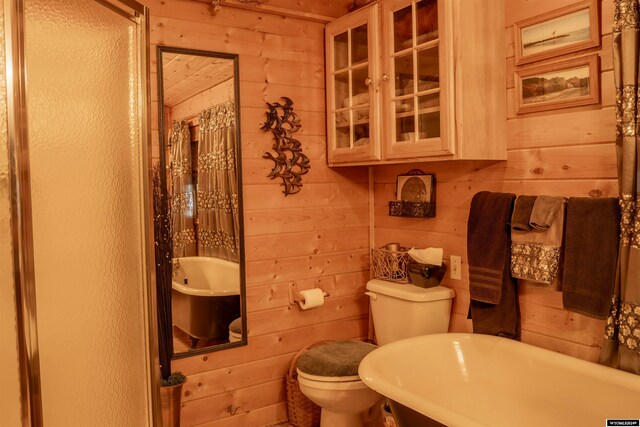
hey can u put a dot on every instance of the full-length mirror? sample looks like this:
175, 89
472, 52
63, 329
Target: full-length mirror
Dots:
200, 153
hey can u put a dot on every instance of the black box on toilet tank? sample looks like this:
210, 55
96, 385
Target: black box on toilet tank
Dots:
425, 275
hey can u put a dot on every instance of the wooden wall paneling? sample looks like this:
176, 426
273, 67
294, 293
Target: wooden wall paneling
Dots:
256, 169
314, 195
216, 95
460, 323
274, 344
283, 72
217, 37
304, 267
229, 378
318, 237
187, 10
286, 245
257, 417
564, 128
274, 295
254, 95
320, 11
574, 349
291, 317
262, 222
222, 405
559, 162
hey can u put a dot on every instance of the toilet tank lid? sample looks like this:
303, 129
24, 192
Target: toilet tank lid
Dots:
410, 292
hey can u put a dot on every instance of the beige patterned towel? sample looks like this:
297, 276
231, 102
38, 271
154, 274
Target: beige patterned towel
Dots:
535, 254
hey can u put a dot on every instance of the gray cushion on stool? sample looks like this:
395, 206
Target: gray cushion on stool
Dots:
335, 359
236, 326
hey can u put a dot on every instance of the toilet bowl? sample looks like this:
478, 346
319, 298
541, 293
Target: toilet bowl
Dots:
343, 400
328, 376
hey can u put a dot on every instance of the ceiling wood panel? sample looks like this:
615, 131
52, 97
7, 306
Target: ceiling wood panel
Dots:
187, 75
325, 10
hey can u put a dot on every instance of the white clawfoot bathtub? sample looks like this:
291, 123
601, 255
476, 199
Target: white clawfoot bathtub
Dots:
474, 380
209, 301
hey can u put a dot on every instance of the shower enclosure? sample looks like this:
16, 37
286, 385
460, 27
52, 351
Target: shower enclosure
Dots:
76, 262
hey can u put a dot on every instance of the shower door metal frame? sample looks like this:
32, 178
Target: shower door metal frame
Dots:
21, 210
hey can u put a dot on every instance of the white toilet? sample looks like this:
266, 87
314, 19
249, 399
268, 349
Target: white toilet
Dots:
328, 376
398, 311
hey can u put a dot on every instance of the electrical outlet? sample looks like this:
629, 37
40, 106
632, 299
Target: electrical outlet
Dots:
456, 267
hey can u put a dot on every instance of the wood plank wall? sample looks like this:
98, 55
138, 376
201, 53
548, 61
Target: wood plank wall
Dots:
566, 152
191, 107
319, 236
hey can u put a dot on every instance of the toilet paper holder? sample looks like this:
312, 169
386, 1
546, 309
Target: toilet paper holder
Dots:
294, 293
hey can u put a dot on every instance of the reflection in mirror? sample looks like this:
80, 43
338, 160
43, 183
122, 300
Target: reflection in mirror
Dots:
200, 151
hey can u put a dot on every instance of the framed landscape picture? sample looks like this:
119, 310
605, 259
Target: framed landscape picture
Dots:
555, 33
561, 84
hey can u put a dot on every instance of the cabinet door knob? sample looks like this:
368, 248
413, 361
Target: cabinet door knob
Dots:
368, 81
385, 77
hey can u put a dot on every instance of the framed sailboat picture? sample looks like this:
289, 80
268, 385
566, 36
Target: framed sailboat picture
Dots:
558, 32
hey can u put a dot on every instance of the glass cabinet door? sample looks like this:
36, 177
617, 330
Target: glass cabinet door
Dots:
352, 77
415, 94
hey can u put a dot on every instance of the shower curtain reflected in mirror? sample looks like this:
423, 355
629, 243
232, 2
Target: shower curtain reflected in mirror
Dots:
182, 200
217, 196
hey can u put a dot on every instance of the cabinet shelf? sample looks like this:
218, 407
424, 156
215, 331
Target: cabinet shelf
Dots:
357, 122
354, 67
421, 111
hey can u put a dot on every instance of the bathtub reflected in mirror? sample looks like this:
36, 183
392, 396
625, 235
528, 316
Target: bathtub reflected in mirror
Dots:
200, 152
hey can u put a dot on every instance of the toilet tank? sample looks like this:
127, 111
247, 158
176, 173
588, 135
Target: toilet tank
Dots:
404, 310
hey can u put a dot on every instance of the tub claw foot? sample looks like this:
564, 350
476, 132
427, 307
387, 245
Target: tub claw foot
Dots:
194, 342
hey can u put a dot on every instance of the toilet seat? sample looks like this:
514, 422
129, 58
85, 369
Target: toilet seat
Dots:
336, 359
321, 378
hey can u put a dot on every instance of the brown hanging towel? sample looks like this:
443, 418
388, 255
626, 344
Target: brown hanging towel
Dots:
494, 297
590, 255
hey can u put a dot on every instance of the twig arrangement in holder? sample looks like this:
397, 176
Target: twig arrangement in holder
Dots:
163, 244
290, 162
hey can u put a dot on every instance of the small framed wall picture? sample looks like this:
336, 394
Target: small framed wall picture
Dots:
415, 195
562, 84
414, 188
569, 29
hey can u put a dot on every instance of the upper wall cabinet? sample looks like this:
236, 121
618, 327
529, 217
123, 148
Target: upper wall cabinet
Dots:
417, 80
353, 97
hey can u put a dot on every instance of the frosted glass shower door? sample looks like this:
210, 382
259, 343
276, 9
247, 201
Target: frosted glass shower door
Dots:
10, 401
87, 165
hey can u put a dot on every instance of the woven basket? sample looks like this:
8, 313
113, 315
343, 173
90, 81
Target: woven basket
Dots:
301, 411
390, 265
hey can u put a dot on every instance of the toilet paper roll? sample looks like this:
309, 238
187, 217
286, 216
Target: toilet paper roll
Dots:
312, 298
